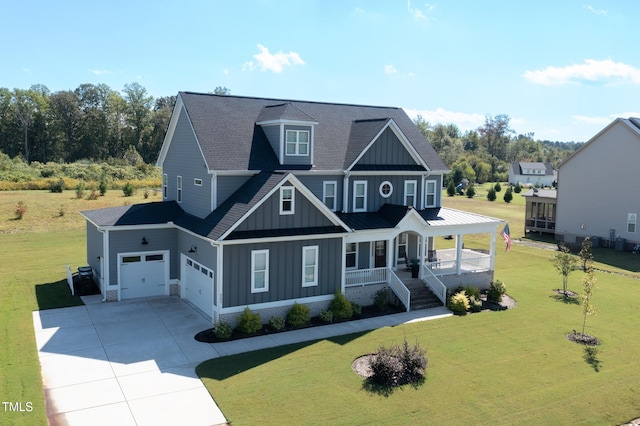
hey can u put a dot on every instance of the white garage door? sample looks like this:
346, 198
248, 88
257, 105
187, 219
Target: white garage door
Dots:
198, 285
143, 274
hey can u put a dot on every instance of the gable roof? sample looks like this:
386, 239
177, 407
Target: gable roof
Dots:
159, 212
230, 139
518, 167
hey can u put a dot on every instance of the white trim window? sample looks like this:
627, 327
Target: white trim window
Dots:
351, 256
430, 188
410, 191
259, 271
359, 196
179, 189
386, 189
197, 182
329, 196
297, 142
631, 223
165, 186
287, 200
309, 266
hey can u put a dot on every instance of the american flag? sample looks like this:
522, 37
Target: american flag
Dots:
506, 235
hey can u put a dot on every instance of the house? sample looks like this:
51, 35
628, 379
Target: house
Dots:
530, 173
540, 211
268, 202
596, 187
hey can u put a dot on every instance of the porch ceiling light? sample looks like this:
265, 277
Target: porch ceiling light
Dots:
144, 241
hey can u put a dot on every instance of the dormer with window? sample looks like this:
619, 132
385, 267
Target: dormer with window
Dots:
290, 132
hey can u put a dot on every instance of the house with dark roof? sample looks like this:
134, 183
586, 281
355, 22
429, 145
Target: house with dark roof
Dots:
596, 187
532, 173
267, 202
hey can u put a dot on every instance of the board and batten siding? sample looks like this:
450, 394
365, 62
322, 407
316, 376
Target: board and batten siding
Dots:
375, 200
285, 271
387, 150
315, 184
185, 159
130, 241
268, 216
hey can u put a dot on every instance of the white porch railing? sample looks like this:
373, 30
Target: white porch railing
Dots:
360, 277
399, 289
70, 279
434, 283
446, 262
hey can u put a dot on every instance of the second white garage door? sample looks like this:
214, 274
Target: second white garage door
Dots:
198, 285
143, 274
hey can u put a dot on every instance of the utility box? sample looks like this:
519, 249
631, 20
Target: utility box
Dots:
620, 244
595, 241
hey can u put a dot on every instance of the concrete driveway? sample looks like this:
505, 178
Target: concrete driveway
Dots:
126, 363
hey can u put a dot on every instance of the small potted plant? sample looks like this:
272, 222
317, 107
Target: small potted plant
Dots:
415, 268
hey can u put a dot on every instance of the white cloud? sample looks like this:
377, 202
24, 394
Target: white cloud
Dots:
101, 72
276, 62
420, 14
594, 10
602, 120
463, 120
591, 70
390, 69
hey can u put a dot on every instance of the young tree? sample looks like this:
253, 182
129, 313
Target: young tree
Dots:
471, 192
585, 254
508, 195
565, 263
451, 189
491, 194
588, 284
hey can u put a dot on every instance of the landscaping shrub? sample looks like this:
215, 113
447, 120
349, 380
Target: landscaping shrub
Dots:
56, 186
471, 192
357, 309
298, 315
497, 187
381, 299
413, 360
341, 306
508, 196
249, 322
459, 303
451, 189
21, 209
395, 365
517, 188
277, 323
102, 187
495, 292
222, 330
471, 291
128, 189
80, 190
326, 316
491, 194
475, 304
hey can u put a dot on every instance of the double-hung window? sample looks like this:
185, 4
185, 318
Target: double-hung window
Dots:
430, 193
410, 190
309, 266
259, 271
297, 142
165, 185
287, 200
179, 186
631, 223
351, 256
329, 194
360, 196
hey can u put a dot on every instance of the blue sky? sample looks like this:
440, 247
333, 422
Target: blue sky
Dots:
560, 69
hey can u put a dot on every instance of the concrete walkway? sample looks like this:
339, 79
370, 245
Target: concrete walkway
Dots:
132, 362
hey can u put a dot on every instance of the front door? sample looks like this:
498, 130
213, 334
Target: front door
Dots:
380, 254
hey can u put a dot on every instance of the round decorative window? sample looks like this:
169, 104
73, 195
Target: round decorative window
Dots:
386, 189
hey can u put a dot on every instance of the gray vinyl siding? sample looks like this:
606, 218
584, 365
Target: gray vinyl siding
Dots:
227, 185
130, 242
375, 200
184, 158
268, 216
315, 184
285, 271
387, 150
273, 136
297, 159
94, 248
364, 255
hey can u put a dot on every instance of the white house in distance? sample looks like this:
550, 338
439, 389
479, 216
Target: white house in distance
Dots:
597, 188
528, 173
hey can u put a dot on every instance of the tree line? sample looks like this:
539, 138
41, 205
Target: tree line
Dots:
484, 154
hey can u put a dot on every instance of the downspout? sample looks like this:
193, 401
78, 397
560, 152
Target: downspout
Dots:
106, 263
345, 191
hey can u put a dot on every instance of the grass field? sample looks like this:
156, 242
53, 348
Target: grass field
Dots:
500, 368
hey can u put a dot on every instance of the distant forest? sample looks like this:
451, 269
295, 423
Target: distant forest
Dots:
97, 123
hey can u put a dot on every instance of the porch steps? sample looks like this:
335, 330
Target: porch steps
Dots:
421, 296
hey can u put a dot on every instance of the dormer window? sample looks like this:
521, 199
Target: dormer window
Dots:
297, 142
287, 200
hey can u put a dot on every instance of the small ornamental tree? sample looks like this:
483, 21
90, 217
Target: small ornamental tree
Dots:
565, 263
497, 187
585, 254
517, 188
491, 194
508, 196
588, 284
451, 189
471, 192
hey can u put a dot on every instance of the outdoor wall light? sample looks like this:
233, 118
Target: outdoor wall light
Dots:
193, 249
144, 241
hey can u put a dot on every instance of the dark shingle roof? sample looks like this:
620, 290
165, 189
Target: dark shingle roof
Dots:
230, 139
388, 216
137, 214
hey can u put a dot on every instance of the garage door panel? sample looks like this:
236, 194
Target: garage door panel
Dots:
198, 284
143, 275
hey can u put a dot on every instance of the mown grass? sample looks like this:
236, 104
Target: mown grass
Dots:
33, 255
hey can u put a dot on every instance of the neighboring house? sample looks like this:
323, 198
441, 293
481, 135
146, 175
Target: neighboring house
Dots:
540, 211
527, 173
596, 188
268, 202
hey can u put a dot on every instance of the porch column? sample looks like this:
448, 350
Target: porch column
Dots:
492, 251
459, 244
423, 244
390, 250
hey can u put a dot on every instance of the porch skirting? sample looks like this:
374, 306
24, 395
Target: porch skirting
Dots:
363, 295
481, 280
111, 296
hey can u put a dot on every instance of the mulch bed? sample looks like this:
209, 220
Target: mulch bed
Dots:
583, 339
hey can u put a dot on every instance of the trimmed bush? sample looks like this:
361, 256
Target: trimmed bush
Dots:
222, 330
326, 316
381, 299
128, 189
277, 323
497, 187
508, 196
491, 194
298, 315
249, 322
341, 306
517, 188
459, 303
496, 290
